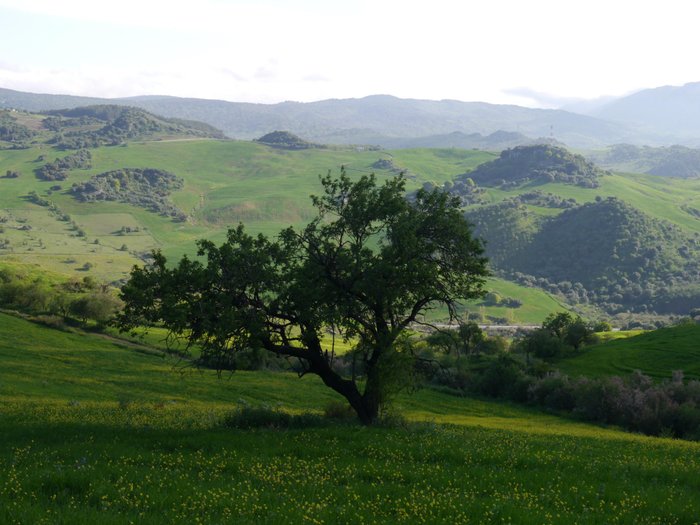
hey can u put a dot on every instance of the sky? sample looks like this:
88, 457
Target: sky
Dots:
537, 53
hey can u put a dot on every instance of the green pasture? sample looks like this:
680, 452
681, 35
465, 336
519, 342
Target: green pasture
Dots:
227, 182
101, 432
660, 197
657, 354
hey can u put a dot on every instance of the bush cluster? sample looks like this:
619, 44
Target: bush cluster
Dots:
12, 131
545, 200
58, 169
83, 299
670, 408
148, 188
540, 162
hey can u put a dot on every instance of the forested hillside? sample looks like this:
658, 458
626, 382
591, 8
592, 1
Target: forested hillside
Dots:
673, 161
605, 252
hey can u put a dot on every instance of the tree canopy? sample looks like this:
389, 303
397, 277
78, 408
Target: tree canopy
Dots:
366, 268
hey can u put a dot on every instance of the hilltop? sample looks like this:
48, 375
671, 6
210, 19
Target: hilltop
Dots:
536, 163
605, 252
94, 126
285, 140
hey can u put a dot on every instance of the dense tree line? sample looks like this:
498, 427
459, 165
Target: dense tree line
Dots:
545, 200
637, 403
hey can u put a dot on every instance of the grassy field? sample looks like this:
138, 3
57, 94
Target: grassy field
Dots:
94, 431
660, 197
226, 182
657, 354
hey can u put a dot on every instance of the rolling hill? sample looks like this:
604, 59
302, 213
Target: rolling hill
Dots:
368, 120
168, 184
670, 110
97, 430
605, 252
673, 161
657, 354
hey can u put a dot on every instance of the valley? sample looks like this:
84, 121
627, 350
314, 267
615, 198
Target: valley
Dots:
106, 425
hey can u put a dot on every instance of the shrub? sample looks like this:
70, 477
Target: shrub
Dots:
338, 410
247, 417
499, 377
554, 391
98, 306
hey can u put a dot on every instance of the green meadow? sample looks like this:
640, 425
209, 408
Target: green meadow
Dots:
99, 431
656, 353
226, 182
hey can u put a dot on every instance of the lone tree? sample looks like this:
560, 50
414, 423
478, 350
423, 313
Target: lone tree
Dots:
370, 264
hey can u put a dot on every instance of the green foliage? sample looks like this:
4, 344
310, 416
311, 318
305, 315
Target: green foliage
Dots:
100, 307
58, 169
542, 163
545, 200
507, 228
12, 131
672, 161
541, 343
147, 188
285, 140
605, 252
560, 333
602, 326
367, 266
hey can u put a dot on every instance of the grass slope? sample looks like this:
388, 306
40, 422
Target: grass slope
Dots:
226, 182
657, 354
98, 432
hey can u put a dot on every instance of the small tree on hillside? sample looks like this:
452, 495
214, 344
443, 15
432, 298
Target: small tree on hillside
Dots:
367, 266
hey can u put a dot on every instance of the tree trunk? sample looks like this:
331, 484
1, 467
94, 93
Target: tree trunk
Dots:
366, 408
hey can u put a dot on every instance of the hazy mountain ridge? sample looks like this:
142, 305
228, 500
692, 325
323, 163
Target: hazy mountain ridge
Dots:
670, 110
358, 121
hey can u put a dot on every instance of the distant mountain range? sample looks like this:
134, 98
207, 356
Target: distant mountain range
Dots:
673, 111
661, 116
